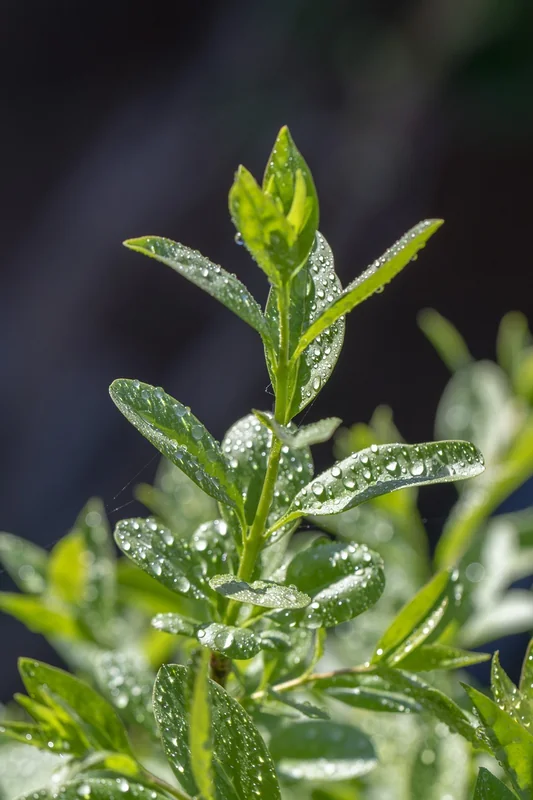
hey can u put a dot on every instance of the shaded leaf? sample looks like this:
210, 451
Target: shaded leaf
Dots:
127, 682
25, 562
259, 593
246, 446
510, 743
304, 706
513, 339
372, 696
177, 434
445, 338
90, 788
490, 788
214, 280
419, 619
381, 272
98, 602
381, 469
437, 656
39, 617
145, 593
200, 730
162, 555
326, 751
240, 758
343, 580
307, 435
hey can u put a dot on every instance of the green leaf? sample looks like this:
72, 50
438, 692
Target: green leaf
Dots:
162, 555
419, 619
89, 788
39, 617
343, 580
176, 433
445, 338
507, 696
514, 338
490, 788
304, 707
315, 433
526, 676
239, 643
382, 469
214, 280
176, 500
126, 681
25, 562
140, 591
26, 733
370, 693
213, 548
373, 279
241, 761
438, 656
289, 182
97, 717
510, 743
312, 290
259, 593
66, 568
200, 730
325, 751
298, 658
98, 602
246, 446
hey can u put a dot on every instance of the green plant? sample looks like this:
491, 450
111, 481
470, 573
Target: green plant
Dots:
250, 601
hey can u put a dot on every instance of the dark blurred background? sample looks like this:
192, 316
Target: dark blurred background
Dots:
124, 118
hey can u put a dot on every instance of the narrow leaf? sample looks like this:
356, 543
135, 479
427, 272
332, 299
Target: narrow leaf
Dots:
507, 696
98, 602
489, 787
304, 707
315, 433
67, 568
259, 593
38, 617
325, 751
89, 788
526, 676
437, 656
382, 469
417, 620
343, 580
25, 562
510, 743
200, 730
445, 338
241, 761
214, 280
373, 279
176, 433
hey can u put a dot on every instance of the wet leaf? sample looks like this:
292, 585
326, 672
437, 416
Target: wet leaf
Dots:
127, 682
239, 643
419, 619
240, 758
25, 562
214, 280
90, 788
382, 469
303, 706
325, 751
315, 286
98, 718
259, 593
438, 656
200, 730
315, 433
246, 446
526, 676
178, 435
162, 555
507, 696
510, 743
343, 580
373, 279
98, 602
490, 788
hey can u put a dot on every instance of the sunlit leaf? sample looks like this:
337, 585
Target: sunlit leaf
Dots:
304, 706
326, 751
508, 696
177, 434
127, 682
25, 562
378, 470
510, 743
239, 643
200, 730
240, 758
373, 279
343, 580
259, 593
67, 568
98, 602
40, 617
315, 433
94, 788
428, 657
214, 280
526, 676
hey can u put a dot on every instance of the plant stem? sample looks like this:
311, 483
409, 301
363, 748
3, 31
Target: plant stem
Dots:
254, 539
295, 683
158, 783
